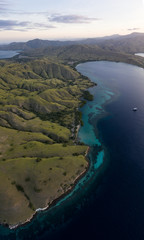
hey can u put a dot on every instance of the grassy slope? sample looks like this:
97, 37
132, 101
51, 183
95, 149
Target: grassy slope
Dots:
38, 110
38, 114
112, 50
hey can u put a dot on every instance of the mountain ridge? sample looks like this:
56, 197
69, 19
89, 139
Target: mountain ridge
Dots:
39, 43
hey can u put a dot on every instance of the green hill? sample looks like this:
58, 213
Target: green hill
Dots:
40, 93
38, 119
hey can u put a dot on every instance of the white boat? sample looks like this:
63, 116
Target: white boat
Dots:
135, 109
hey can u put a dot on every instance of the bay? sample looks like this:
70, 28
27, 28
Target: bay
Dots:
139, 54
107, 203
8, 54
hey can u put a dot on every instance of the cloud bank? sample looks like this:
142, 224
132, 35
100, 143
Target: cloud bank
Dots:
133, 29
22, 26
11, 24
3, 6
71, 19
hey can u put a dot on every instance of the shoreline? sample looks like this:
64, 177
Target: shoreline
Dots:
56, 200
80, 176
53, 203
113, 98
13, 227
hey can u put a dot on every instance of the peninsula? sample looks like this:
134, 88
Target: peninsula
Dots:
39, 158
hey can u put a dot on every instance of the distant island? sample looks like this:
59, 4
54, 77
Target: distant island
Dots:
40, 96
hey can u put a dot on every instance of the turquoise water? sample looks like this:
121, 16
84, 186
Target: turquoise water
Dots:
103, 205
93, 109
89, 136
110, 207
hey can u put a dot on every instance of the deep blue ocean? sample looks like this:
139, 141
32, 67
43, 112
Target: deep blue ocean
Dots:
108, 203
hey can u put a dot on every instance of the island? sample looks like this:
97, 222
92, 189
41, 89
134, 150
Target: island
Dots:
41, 92
40, 157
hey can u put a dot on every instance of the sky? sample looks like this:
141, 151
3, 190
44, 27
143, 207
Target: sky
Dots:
23, 20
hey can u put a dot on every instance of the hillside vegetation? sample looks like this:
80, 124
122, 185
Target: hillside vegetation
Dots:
117, 51
130, 43
39, 160
112, 48
39, 100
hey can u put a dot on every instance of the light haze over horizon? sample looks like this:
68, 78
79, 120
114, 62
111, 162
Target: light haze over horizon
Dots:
62, 19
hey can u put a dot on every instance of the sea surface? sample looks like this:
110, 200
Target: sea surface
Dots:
108, 202
8, 54
139, 54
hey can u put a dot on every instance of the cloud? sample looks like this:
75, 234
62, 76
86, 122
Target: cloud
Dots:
133, 29
71, 19
11, 24
4, 6
43, 25
22, 26
18, 12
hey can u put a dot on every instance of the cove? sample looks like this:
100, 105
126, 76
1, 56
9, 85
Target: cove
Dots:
107, 203
8, 54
